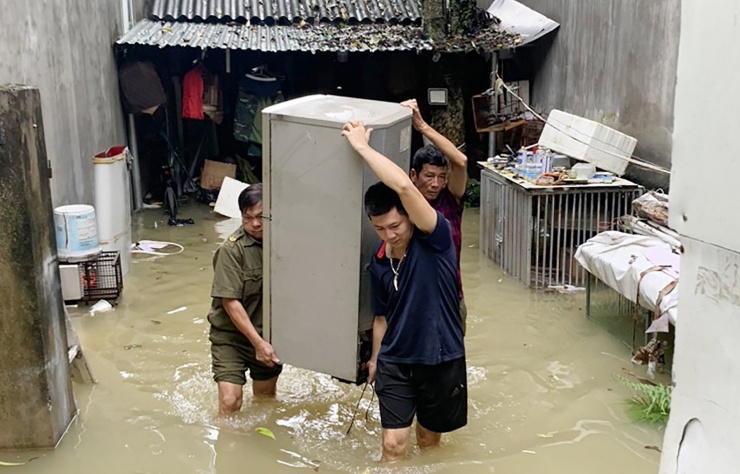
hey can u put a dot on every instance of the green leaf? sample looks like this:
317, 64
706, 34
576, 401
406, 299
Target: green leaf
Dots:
11, 464
265, 432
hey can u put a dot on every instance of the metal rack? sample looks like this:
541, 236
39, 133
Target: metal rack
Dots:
533, 231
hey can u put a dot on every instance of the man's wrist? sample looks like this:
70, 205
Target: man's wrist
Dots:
361, 147
425, 129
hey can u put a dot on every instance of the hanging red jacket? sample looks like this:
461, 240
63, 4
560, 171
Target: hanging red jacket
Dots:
192, 94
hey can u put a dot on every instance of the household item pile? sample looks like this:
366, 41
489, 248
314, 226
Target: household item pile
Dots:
643, 265
545, 167
88, 273
652, 220
602, 153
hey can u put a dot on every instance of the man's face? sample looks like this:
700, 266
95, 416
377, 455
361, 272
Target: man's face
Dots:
430, 181
393, 227
252, 221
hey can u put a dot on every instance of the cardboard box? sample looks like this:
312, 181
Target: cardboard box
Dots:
214, 173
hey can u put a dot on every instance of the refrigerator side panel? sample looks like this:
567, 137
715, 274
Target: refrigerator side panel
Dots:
266, 230
315, 190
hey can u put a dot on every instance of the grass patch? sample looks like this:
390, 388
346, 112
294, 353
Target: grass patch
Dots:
650, 403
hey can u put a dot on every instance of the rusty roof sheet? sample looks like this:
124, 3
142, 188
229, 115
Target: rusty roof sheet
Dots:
285, 12
309, 38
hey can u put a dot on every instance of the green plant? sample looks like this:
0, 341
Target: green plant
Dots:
650, 403
471, 198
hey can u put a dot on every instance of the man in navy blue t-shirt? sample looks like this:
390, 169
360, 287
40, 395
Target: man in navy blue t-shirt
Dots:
418, 358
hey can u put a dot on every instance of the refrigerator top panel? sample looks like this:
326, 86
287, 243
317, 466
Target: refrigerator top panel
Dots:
334, 111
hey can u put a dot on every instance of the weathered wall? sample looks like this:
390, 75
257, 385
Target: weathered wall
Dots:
614, 61
704, 426
64, 48
36, 402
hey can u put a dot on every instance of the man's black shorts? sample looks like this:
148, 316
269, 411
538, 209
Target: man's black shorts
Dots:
436, 394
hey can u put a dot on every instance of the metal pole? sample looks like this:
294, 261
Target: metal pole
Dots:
127, 12
138, 200
492, 135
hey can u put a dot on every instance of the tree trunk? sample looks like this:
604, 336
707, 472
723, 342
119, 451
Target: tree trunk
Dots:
434, 19
449, 120
462, 13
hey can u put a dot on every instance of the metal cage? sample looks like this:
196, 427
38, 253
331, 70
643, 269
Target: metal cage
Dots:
534, 231
102, 278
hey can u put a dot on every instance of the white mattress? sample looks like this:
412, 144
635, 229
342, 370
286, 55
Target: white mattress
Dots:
618, 259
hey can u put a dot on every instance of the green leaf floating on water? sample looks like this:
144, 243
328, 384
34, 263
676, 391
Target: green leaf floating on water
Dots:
11, 464
266, 432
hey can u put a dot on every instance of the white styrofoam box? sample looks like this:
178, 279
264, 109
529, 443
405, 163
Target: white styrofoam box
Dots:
587, 140
71, 284
227, 203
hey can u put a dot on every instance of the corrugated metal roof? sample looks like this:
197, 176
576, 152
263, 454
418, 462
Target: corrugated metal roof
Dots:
289, 11
310, 38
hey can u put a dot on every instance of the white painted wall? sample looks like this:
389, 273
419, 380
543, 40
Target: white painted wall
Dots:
704, 429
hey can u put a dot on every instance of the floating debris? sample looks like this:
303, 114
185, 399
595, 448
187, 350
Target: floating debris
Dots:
265, 432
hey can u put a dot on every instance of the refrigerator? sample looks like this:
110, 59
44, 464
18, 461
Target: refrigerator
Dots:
317, 240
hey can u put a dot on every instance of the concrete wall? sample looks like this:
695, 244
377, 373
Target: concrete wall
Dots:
36, 400
614, 61
64, 48
702, 433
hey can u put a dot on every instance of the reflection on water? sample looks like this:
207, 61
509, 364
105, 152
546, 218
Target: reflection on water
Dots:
543, 397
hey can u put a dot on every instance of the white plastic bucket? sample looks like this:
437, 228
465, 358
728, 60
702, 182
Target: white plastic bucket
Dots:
77, 232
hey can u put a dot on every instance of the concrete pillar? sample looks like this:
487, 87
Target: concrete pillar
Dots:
36, 399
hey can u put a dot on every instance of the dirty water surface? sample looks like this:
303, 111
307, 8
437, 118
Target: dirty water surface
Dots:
542, 385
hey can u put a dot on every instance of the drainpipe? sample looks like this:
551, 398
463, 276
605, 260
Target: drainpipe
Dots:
127, 11
492, 135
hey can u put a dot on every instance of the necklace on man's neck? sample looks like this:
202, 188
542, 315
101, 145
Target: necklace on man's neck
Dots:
396, 270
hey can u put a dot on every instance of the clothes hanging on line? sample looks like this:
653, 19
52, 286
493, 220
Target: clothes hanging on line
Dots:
192, 94
201, 95
255, 93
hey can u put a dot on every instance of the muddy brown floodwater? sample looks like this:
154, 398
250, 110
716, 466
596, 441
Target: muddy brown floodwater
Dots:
542, 386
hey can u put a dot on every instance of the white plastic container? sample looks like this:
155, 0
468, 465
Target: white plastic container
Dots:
113, 202
76, 232
584, 170
588, 141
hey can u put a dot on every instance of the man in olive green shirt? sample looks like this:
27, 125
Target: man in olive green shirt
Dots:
236, 312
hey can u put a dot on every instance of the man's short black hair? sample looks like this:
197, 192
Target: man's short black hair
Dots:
428, 155
251, 196
380, 199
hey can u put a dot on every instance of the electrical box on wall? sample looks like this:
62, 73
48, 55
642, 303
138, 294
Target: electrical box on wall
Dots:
437, 96
318, 242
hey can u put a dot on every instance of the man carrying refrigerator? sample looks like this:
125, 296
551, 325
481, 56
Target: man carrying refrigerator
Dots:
236, 339
440, 171
418, 357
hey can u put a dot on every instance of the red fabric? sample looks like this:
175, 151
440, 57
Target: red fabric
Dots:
192, 94
381, 252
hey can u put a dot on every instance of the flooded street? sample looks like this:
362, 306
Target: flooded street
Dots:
542, 385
